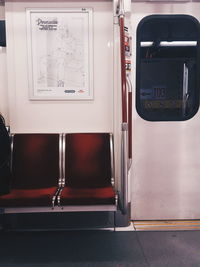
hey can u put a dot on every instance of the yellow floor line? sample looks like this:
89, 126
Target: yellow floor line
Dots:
165, 221
168, 228
167, 225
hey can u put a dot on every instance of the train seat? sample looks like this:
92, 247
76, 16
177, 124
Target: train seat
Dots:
87, 196
35, 170
88, 170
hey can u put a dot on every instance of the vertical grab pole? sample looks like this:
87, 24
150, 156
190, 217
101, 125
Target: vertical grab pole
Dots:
129, 122
130, 125
124, 171
124, 167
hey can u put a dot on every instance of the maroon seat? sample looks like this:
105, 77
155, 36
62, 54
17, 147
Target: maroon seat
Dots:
87, 170
88, 196
35, 170
28, 197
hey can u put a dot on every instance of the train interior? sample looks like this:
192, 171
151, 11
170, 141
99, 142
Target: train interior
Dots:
99, 133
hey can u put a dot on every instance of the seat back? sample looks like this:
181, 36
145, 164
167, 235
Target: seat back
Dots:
87, 160
35, 161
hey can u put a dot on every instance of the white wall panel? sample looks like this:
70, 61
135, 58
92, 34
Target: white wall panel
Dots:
60, 116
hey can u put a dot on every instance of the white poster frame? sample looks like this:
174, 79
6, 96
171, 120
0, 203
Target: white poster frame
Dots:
55, 92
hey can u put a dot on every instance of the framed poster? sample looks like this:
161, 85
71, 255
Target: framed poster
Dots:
60, 54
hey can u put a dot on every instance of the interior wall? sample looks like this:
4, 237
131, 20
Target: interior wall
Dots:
60, 116
166, 165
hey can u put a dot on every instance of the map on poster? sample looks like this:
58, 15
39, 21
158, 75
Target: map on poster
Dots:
60, 54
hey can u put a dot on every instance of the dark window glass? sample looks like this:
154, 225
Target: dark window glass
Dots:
167, 78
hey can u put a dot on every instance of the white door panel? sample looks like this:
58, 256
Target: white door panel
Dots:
166, 155
166, 170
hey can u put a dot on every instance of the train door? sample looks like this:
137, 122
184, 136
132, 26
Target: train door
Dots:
166, 171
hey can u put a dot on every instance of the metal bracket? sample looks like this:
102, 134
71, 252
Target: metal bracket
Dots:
124, 126
116, 20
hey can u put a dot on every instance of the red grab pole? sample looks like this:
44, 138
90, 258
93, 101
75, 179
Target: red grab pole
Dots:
126, 118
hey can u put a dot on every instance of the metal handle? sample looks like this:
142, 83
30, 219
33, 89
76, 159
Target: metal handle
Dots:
124, 169
129, 84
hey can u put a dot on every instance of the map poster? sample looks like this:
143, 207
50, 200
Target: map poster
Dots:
60, 54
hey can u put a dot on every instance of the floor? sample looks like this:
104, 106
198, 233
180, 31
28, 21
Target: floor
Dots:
100, 248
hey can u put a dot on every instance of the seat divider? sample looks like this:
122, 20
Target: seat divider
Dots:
63, 159
60, 179
112, 161
63, 170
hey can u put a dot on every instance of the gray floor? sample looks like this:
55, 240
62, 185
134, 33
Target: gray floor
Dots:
100, 248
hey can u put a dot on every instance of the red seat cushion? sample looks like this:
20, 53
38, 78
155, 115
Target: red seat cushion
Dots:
87, 196
28, 197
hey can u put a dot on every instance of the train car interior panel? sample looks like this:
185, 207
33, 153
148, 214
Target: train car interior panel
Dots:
99, 133
81, 177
